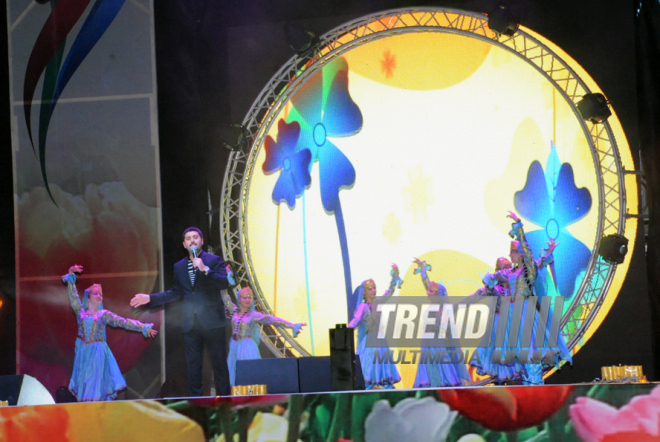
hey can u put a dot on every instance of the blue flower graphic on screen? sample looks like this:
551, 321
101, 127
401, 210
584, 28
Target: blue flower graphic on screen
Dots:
552, 201
325, 110
294, 166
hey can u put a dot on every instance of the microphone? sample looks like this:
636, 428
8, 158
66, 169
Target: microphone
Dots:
193, 249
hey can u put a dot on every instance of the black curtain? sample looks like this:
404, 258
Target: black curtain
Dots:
7, 256
648, 99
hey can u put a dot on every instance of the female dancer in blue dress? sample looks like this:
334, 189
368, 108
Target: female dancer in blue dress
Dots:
382, 374
522, 279
96, 375
245, 321
485, 366
438, 374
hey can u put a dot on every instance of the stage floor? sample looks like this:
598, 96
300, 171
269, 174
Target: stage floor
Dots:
583, 412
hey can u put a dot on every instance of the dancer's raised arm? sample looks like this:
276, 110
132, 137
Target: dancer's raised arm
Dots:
395, 282
422, 269
231, 307
70, 279
521, 246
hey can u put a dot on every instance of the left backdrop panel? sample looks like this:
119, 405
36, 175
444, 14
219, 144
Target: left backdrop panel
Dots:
86, 178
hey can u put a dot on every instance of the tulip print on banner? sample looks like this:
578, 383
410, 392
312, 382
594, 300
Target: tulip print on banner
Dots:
410, 420
507, 409
581, 413
637, 421
123, 420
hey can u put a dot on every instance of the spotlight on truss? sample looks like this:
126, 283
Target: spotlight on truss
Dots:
233, 136
613, 248
303, 41
594, 107
502, 21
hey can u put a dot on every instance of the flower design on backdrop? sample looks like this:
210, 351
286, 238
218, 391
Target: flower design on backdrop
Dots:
324, 109
388, 64
293, 166
552, 201
418, 196
47, 55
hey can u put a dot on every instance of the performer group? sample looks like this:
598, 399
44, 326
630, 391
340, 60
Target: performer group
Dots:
202, 280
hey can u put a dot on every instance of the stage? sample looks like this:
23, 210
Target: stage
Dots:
386, 154
583, 412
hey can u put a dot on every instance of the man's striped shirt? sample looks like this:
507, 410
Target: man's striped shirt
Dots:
191, 272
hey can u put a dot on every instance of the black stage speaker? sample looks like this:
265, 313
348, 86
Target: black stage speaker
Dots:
21, 389
279, 374
316, 374
359, 376
345, 369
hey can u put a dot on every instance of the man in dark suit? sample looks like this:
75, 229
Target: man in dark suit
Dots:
198, 279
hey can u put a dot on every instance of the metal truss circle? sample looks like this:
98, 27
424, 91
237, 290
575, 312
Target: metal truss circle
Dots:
297, 70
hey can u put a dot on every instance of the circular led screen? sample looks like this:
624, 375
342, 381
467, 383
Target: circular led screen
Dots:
416, 145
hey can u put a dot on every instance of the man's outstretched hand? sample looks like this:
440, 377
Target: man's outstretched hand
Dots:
140, 299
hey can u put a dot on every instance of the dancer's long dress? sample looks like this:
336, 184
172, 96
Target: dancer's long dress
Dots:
96, 375
485, 365
431, 374
244, 343
522, 280
383, 374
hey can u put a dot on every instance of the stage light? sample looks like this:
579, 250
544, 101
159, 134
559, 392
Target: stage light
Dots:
613, 248
594, 107
233, 136
501, 21
301, 40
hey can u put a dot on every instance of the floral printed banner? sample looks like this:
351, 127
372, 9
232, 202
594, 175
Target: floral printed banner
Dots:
588, 413
85, 140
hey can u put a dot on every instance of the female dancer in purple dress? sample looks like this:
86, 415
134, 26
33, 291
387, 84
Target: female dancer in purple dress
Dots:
485, 367
431, 374
96, 375
383, 374
522, 279
245, 321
